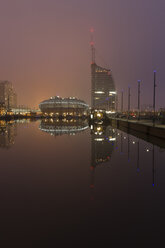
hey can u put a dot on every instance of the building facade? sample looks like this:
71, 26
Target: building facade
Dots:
8, 97
103, 92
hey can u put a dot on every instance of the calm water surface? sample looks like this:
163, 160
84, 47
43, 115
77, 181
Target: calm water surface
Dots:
66, 184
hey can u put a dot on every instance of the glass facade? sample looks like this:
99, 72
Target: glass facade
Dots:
103, 92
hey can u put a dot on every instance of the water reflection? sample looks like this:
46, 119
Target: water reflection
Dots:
102, 138
153, 166
138, 157
102, 141
59, 127
105, 141
8, 132
49, 179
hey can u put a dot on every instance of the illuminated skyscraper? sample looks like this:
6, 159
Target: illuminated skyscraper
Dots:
103, 92
8, 97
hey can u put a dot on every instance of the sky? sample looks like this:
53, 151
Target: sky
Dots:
45, 47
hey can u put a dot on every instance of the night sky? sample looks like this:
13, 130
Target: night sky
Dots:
45, 47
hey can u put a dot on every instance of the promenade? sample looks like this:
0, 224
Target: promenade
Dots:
142, 126
145, 122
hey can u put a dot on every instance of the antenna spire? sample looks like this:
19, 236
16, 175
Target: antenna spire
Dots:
92, 46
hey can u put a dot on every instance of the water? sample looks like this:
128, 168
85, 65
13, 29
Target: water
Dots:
65, 184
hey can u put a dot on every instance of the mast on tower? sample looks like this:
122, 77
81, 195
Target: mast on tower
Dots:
92, 46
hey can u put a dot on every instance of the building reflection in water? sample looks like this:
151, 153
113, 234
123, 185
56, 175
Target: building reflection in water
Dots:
101, 140
105, 140
8, 131
102, 146
59, 127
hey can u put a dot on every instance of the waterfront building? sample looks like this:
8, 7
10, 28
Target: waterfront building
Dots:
8, 97
56, 106
103, 92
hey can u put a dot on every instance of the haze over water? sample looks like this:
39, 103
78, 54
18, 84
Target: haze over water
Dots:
45, 48
64, 183
89, 187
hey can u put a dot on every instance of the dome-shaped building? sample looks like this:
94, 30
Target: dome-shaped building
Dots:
64, 106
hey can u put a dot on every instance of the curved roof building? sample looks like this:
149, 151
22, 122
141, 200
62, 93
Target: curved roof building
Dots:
58, 105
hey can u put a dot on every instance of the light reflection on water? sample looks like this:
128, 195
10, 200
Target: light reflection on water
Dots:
62, 181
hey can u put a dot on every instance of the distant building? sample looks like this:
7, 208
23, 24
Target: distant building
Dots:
103, 92
8, 97
147, 107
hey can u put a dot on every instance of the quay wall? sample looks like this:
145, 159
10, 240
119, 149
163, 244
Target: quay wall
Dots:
148, 130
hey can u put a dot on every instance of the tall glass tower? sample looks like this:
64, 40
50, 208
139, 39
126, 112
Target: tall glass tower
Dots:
103, 92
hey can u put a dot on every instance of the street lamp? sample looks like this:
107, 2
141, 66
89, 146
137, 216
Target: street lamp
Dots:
154, 93
129, 100
122, 101
139, 81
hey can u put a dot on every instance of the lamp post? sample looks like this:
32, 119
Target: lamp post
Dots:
154, 94
122, 101
116, 101
139, 99
138, 156
129, 100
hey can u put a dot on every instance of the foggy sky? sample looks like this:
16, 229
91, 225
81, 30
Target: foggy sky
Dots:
45, 50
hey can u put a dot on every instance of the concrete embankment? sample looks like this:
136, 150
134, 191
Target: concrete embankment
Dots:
147, 129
